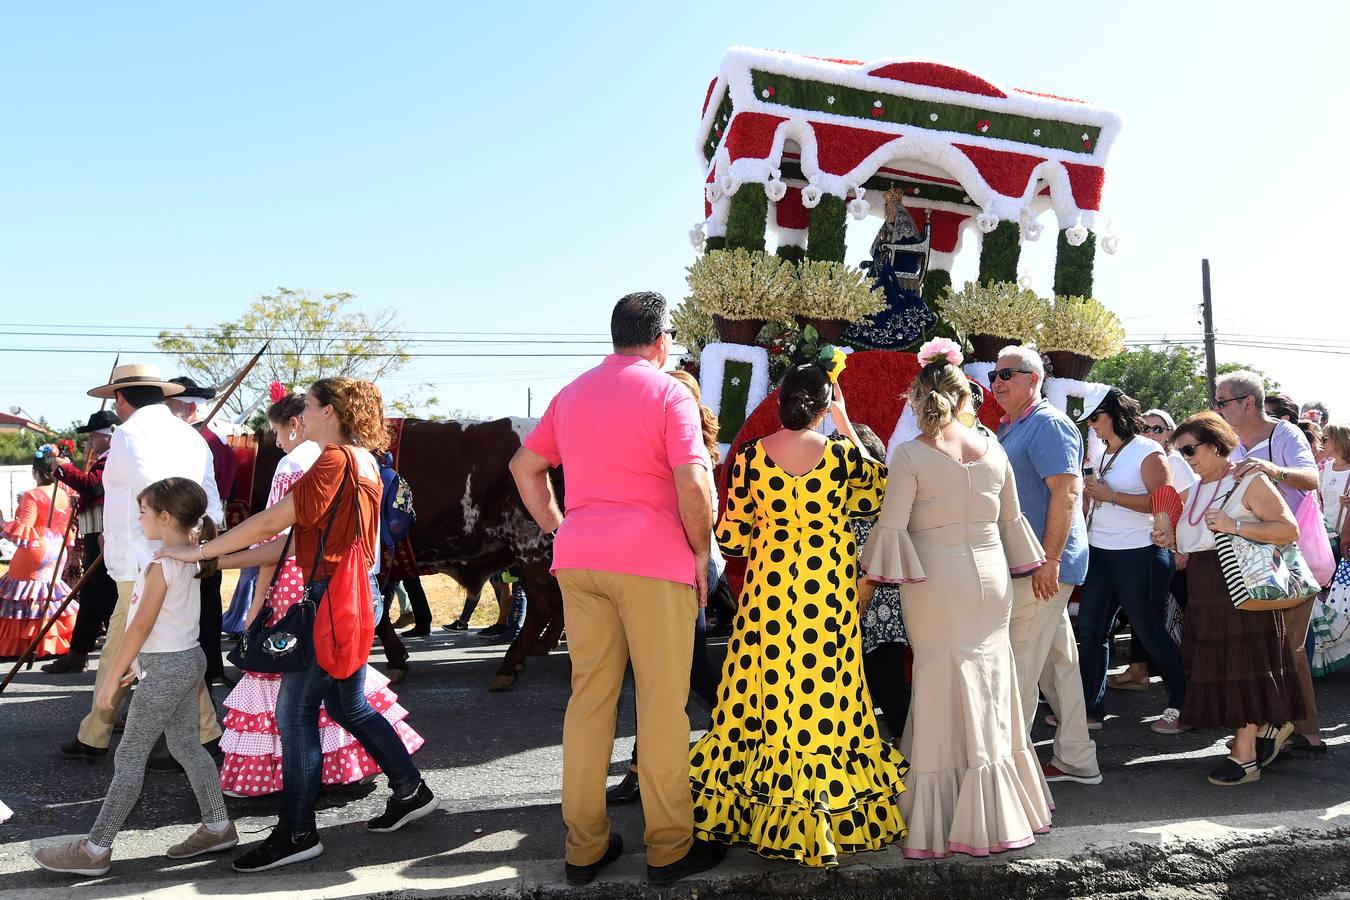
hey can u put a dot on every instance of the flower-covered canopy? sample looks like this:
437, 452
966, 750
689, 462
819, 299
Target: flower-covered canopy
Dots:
959, 146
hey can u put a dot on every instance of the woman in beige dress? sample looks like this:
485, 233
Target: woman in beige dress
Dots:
952, 530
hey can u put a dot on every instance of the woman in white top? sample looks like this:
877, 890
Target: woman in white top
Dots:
160, 648
1335, 484
1159, 425
1125, 569
1239, 668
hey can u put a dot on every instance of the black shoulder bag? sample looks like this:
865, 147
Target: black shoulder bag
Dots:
287, 646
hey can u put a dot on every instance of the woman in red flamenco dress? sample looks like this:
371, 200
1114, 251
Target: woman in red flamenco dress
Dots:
28, 596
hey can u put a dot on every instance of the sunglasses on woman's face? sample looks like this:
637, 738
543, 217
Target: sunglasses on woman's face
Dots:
1006, 374
1188, 450
1155, 429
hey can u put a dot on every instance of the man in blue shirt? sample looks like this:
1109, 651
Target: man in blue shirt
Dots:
1046, 452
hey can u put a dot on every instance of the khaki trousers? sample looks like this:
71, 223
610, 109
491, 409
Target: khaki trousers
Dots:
1042, 641
610, 619
96, 729
1296, 622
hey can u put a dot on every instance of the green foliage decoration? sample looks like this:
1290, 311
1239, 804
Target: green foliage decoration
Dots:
999, 252
747, 218
825, 233
1073, 266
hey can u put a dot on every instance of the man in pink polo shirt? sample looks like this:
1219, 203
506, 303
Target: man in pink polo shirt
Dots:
631, 556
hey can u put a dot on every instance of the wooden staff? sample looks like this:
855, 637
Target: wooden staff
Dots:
234, 385
37, 641
117, 359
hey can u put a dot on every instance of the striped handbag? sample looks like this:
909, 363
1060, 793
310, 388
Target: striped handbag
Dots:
1263, 577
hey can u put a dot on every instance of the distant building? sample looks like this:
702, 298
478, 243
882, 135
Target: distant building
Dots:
10, 422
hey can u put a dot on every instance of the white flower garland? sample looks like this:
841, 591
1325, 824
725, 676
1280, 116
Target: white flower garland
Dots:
712, 370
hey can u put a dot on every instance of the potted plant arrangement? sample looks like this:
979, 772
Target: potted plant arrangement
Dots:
992, 316
833, 295
1078, 331
741, 290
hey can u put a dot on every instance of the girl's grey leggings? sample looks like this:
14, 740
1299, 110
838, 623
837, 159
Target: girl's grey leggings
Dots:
165, 702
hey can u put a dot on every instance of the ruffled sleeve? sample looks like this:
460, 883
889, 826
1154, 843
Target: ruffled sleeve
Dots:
866, 481
23, 531
1020, 544
737, 525
889, 555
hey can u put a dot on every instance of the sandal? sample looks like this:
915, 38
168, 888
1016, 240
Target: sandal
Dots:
1123, 682
1232, 772
1297, 743
1270, 741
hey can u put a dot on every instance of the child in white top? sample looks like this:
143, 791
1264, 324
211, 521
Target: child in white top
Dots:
160, 648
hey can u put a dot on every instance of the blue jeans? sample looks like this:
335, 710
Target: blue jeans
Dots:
1136, 581
345, 700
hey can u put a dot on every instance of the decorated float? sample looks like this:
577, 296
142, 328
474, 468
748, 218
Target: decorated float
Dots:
794, 147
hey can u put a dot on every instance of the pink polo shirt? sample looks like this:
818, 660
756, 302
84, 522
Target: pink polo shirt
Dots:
619, 431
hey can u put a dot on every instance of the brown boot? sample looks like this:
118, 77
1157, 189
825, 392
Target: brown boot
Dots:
67, 663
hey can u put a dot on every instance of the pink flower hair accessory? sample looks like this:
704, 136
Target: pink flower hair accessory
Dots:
938, 348
277, 391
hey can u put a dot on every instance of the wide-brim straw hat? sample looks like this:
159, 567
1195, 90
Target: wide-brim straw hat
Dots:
135, 375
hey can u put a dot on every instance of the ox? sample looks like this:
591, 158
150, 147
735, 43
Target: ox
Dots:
471, 522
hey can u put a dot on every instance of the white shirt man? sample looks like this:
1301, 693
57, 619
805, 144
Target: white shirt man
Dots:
151, 445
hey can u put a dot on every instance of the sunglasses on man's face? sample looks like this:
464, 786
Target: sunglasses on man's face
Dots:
1006, 374
1188, 450
671, 331
1220, 404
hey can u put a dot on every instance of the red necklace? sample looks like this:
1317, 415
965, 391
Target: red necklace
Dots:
1205, 508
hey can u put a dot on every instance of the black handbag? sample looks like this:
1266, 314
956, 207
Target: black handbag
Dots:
287, 646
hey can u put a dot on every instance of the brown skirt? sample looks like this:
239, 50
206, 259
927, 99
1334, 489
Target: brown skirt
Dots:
1239, 670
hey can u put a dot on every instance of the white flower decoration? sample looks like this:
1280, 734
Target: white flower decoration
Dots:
1035, 132
811, 196
1076, 235
830, 100
735, 381
697, 236
932, 117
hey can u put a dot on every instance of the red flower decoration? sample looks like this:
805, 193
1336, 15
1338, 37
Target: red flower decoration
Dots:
1087, 145
771, 90
878, 112
67, 447
982, 125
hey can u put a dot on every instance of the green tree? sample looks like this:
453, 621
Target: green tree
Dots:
1170, 378
312, 337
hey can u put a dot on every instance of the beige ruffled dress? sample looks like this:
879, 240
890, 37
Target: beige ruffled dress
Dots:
955, 534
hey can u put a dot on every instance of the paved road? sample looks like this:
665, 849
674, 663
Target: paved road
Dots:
495, 759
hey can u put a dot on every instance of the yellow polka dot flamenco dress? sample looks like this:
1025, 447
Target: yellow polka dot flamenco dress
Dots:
794, 765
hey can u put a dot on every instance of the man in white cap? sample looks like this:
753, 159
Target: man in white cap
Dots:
150, 445
99, 594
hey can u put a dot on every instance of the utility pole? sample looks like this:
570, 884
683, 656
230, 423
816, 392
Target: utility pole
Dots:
1207, 311
529, 402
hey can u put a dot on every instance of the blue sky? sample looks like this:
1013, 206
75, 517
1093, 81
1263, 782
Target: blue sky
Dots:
507, 168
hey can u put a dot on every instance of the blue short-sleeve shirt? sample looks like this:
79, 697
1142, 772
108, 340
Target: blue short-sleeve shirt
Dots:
1041, 443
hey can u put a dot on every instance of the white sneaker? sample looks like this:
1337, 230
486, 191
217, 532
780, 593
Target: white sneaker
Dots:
1169, 722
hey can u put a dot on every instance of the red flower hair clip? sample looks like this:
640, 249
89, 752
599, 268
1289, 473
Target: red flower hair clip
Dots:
277, 391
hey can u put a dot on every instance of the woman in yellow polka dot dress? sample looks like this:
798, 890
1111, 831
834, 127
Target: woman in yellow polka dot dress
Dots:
794, 765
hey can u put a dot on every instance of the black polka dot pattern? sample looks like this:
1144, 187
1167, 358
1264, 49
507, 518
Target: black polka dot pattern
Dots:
793, 765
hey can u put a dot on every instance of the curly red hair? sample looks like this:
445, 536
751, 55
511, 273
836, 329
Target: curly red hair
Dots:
359, 409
